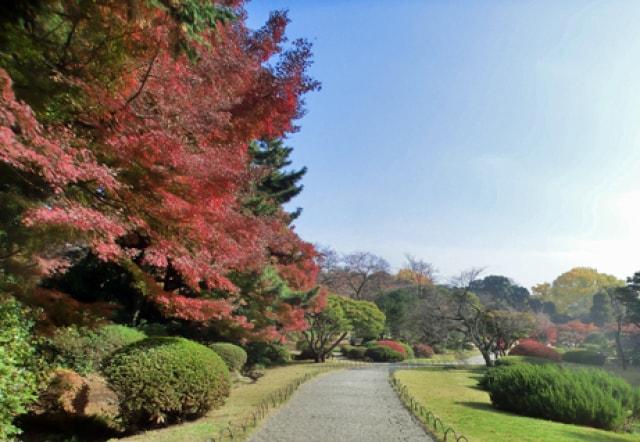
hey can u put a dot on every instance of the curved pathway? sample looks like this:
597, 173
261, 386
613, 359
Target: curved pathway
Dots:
349, 405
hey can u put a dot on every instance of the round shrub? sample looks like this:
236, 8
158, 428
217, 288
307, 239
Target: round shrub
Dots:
586, 357
267, 354
423, 350
393, 345
379, 353
531, 347
164, 380
584, 397
233, 355
408, 351
355, 352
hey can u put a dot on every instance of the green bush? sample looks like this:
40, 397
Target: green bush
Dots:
18, 365
164, 380
586, 357
354, 352
585, 397
513, 360
267, 354
82, 349
408, 351
233, 355
379, 353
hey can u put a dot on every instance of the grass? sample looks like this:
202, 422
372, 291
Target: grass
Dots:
447, 357
244, 398
451, 394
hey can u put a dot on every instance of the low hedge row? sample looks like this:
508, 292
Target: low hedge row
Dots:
583, 397
586, 357
530, 347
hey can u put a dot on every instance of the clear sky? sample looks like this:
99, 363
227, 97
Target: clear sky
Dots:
503, 134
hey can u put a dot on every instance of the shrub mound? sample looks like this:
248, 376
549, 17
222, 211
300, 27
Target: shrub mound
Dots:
393, 345
355, 352
82, 349
531, 347
163, 380
513, 360
267, 354
233, 355
408, 351
379, 353
423, 350
584, 397
586, 357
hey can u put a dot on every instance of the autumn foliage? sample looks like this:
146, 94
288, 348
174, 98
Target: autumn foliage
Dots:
153, 168
393, 345
533, 348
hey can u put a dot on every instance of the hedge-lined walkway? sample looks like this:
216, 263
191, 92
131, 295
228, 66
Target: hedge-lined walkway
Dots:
350, 405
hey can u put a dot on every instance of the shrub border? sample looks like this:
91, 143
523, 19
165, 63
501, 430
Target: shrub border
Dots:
433, 423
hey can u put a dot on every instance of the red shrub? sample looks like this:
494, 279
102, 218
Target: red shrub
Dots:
530, 347
423, 350
393, 345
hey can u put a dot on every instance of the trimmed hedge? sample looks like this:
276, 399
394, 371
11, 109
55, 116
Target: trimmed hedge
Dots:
423, 350
163, 380
379, 353
233, 355
357, 353
513, 360
586, 357
584, 397
393, 345
267, 354
530, 347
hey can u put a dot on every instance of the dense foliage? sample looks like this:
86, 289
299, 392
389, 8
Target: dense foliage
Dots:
266, 354
533, 348
84, 349
355, 352
583, 397
18, 365
381, 353
124, 134
584, 357
233, 355
332, 318
423, 350
180, 378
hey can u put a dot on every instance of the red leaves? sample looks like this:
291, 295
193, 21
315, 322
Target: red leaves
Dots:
531, 347
161, 154
393, 345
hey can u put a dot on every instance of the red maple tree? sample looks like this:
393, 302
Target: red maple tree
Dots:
152, 170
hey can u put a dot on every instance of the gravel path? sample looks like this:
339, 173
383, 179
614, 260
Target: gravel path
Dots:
345, 406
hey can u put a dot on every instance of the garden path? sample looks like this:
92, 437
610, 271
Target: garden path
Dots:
345, 406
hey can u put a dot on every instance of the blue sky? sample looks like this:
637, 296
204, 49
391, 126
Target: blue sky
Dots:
500, 134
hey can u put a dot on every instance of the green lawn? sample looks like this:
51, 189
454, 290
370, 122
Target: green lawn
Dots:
244, 398
451, 394
447, 357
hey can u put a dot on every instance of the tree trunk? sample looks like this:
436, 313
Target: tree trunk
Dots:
487, 358
619, 347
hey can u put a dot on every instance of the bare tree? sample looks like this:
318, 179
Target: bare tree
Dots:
418, 273
365, 274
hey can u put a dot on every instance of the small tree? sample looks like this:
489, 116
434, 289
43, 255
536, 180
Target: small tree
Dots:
341, 316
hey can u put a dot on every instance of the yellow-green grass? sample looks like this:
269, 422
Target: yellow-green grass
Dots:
242, 402
452, 395
444, 358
